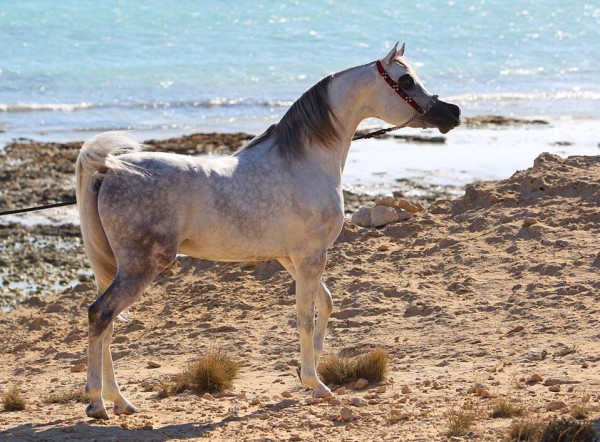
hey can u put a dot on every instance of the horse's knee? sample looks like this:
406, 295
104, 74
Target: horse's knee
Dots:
324, 301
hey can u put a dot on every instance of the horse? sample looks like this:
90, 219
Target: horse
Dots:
278, 197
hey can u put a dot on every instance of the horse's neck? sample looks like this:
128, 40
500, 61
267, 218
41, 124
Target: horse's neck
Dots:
349, 95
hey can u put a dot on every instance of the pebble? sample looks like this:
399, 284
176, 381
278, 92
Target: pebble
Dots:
404, 215
555, 405
346, 415
381, 389
535, 378
517, 329
558, 381
554, 388
530, 221
154, 364
409, 207
242, 396
362, 218
341, 390
78, 368
480, 391
361, 383
286, 394
358, 402
208, 397
255, 401
585, 365
406, 389
383, 248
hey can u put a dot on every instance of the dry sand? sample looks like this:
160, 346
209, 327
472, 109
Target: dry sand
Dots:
492, 288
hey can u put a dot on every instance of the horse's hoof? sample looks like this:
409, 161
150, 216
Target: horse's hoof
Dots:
96, 412
322, 393
127, 409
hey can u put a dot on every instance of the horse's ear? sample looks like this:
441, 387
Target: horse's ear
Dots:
391, 55
401, 51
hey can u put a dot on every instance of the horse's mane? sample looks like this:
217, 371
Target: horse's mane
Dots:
310, 120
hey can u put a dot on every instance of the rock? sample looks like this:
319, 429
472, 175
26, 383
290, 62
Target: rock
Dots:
381, 389
409, 207
406, 389
480, 390
208, 397
530, 222
404, 215
517, 329
361, 384
383, 248
242, 396
255, 401
286, 394
362, 218
341, 390
388, 201
382, 215
554, 388
534, 378
358, 402
558, 381
78, 368
346, 415
585, 365
153, 364
555, 405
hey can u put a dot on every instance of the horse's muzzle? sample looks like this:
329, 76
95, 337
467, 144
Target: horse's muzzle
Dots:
444, 116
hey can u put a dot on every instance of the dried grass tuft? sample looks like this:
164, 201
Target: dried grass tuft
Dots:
13, 401
65, 397
568, 430
212, 373
337, 370
503, 408
525, 431
459, 422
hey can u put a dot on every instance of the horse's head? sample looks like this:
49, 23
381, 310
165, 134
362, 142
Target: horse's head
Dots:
401, 96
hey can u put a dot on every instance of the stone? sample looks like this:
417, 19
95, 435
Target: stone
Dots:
362, 218
388, 201
480, 390
286, 394
153, 364
517, 329
555, 405
242, 396
382, 215
406, 389
78, 368
255, 401
346, 415
558, 381
534, 378
383, 248
554, 388
361, 384
407, 206
208, 397
381, 389
358, 402
530, 222
404, 215
341, 390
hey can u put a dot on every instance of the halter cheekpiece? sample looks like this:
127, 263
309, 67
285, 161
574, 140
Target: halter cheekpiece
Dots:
420, 111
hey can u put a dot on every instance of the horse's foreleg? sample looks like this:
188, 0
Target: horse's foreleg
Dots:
110, 387
121, 294
324, 309
308, 275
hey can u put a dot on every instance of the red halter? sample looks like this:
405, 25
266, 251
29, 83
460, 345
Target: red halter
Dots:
399, 90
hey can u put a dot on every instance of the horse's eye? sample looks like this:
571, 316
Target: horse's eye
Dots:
406, 81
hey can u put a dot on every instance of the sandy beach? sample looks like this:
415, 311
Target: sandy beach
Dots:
486, 297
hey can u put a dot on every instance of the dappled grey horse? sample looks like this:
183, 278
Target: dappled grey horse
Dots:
278, 197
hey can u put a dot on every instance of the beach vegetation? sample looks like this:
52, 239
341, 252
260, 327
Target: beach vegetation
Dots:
338, 370
12, 400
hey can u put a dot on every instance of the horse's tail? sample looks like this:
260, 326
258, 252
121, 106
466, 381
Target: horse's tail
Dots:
96, 157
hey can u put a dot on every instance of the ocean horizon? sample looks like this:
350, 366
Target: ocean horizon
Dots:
68, 69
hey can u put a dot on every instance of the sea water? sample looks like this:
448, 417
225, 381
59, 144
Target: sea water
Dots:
72, 68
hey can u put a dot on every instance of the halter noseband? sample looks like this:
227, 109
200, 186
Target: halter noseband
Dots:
419, 111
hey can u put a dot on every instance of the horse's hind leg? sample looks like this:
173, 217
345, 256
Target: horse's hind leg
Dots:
324, 309
122, 293
110, 387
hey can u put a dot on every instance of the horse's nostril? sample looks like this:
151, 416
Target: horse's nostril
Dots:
455, 111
